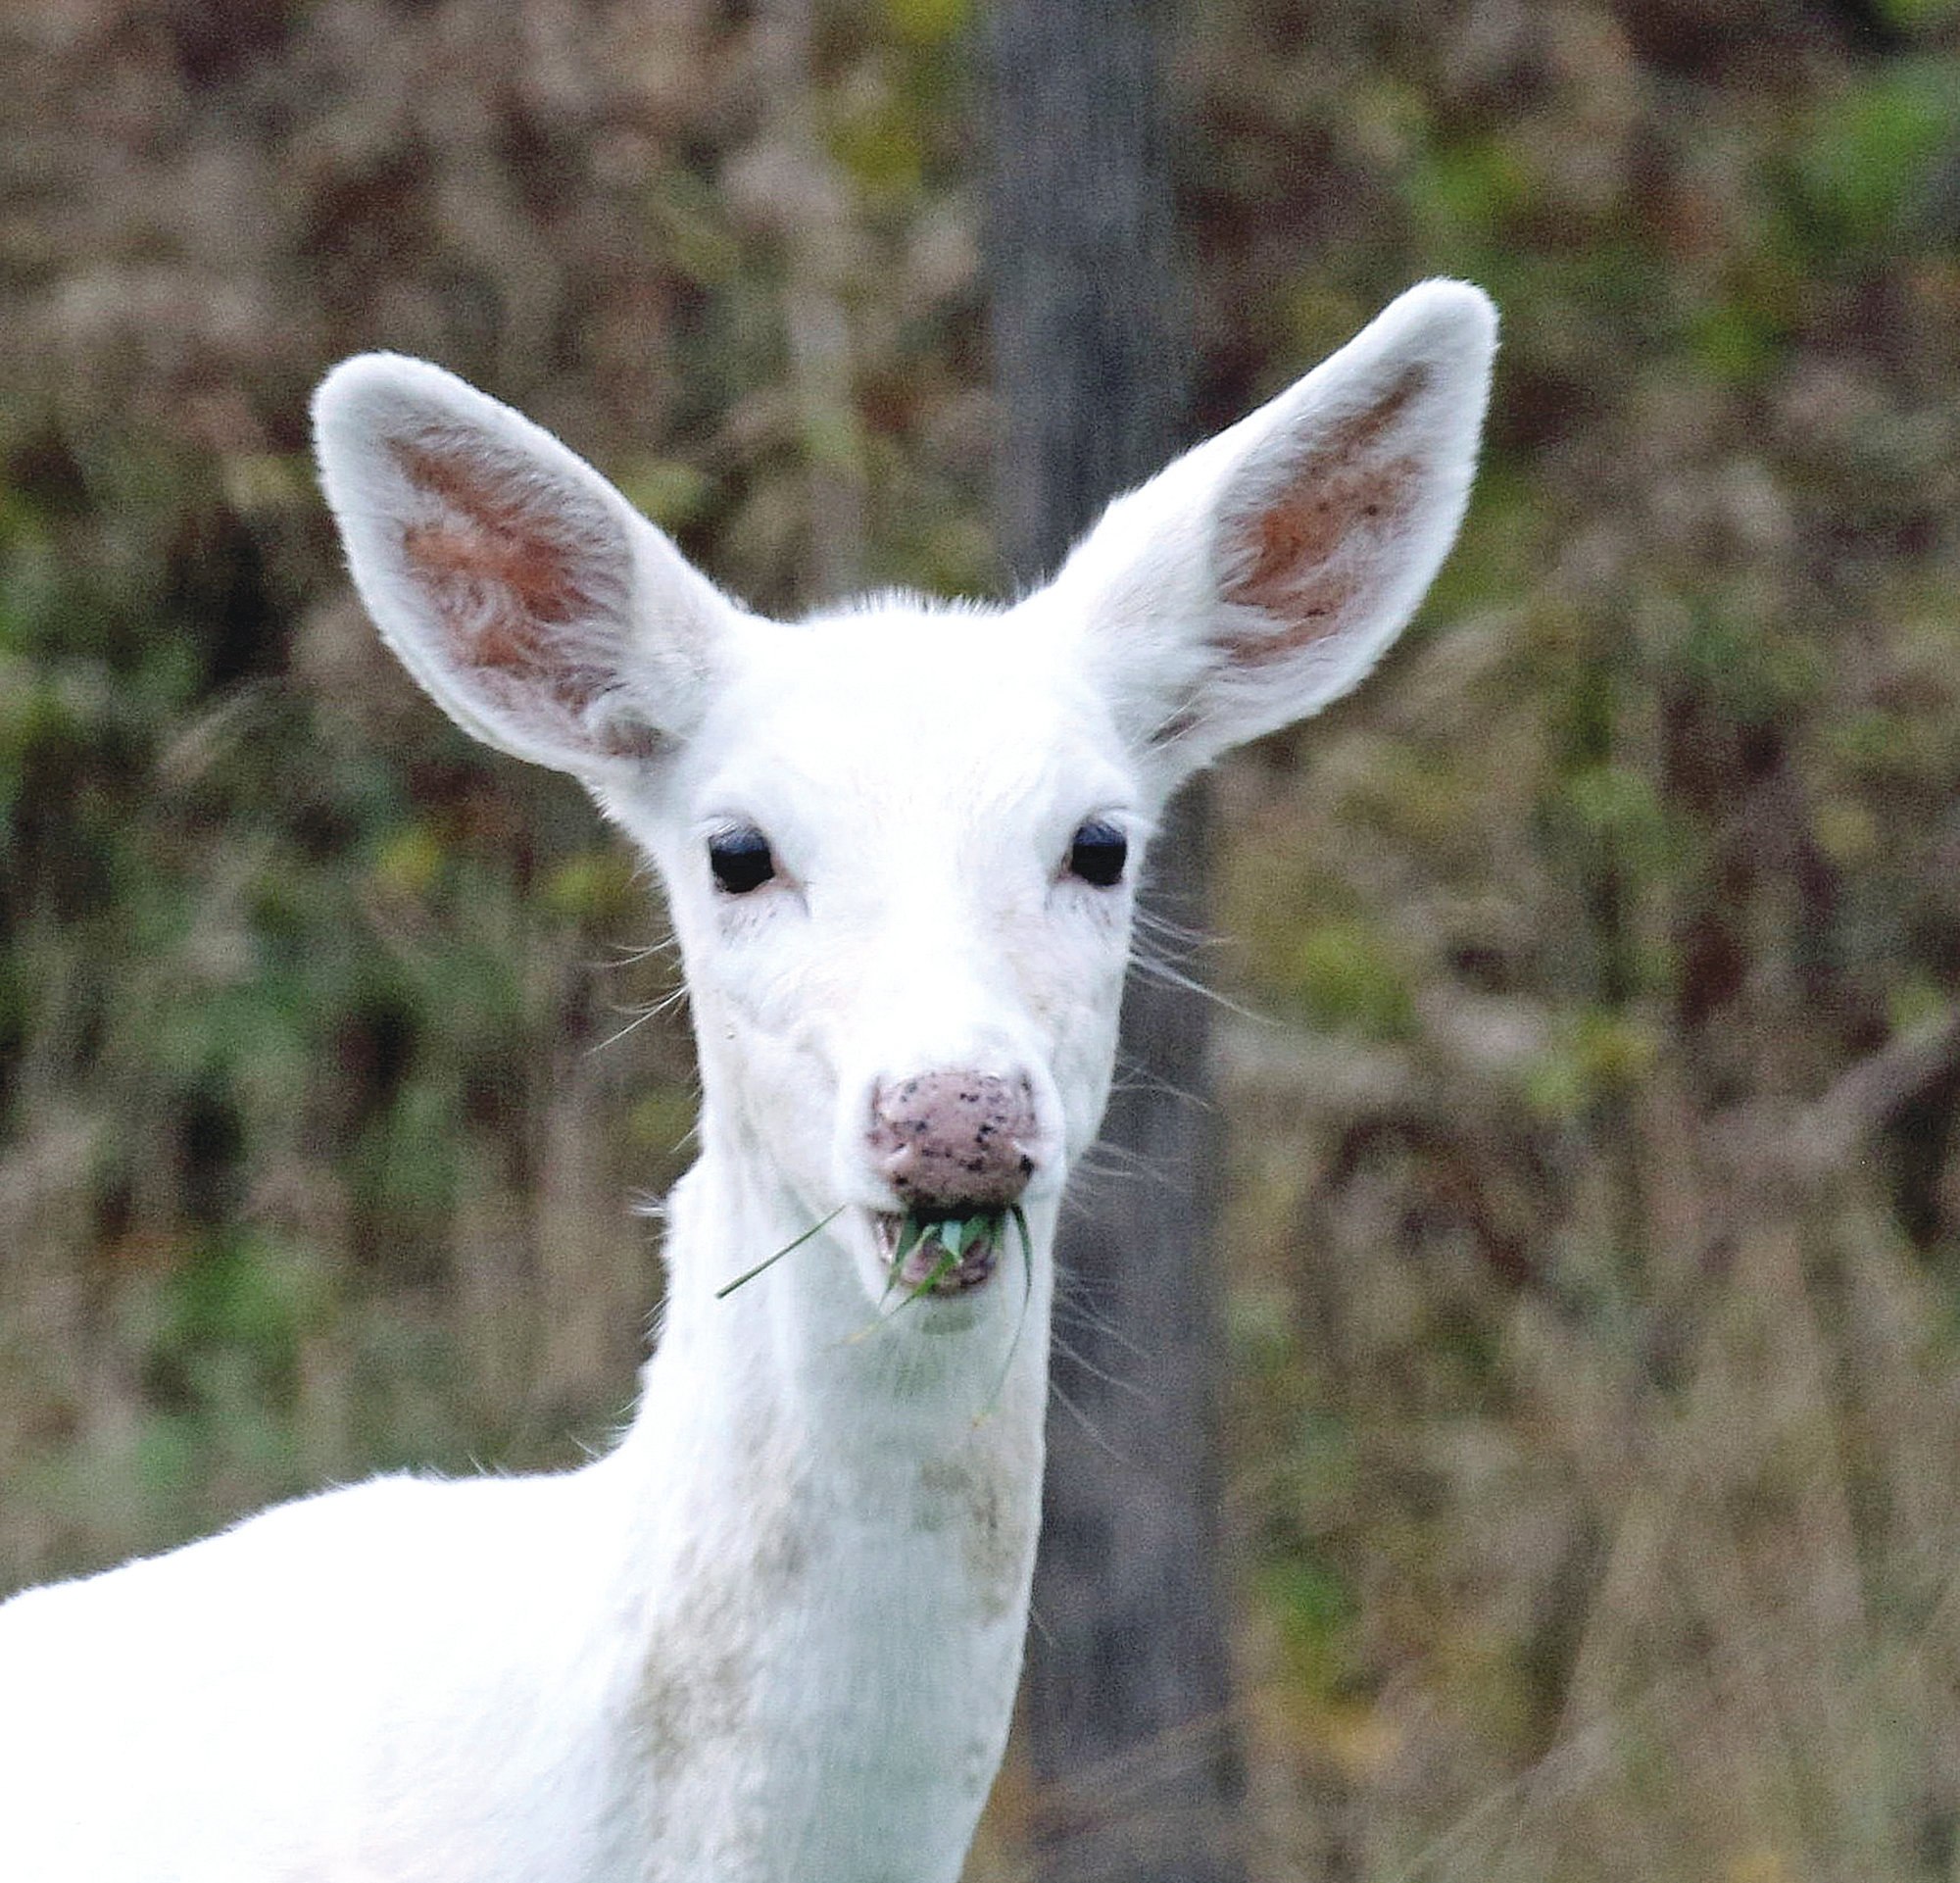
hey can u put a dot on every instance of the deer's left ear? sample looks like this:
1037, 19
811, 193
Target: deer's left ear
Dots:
1262, 574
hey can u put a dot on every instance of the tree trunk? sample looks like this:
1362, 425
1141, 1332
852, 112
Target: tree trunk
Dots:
1128, 1693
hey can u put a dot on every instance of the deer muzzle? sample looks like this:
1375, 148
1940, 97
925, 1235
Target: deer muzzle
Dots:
951, 1142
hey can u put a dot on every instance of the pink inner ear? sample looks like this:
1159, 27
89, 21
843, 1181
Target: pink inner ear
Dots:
1306, 556
516, 591
485, 535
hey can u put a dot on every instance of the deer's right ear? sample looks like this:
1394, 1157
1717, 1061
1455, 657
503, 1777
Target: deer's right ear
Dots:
538, 607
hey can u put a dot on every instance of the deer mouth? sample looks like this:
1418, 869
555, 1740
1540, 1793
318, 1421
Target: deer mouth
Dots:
938, 1251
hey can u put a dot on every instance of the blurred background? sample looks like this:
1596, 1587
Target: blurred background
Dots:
1592, 1499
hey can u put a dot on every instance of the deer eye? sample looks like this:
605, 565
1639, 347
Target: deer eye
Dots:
1098, 852
740, 860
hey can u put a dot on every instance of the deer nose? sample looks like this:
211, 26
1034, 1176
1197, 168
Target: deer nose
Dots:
955, 1140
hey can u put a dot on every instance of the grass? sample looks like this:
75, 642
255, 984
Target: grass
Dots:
955, 1235
769, 1261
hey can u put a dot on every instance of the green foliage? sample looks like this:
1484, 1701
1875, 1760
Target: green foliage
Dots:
1316, 1614
927, 22
1466, 194
876, 141
1866, 156
1344, 976
674, 493
1919, 13
234, 1314
1595, 1054
1735, 340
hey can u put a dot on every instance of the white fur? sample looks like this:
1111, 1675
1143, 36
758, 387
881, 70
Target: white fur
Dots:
775, 1634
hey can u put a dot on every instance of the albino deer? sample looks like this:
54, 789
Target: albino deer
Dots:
775, 1633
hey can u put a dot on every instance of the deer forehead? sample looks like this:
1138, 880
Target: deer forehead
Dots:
906, 734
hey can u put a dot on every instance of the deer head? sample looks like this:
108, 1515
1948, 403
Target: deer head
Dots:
900, 840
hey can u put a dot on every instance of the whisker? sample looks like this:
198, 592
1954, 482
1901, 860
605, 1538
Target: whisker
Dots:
1079, 1314
1077, 1357
1089, 1201
1093, 1184
1086, 1423
1105, 1154
1097, 1176
1143, 961
1135, 1076
1075, 1291
663, 947
653, 1011
1154, 922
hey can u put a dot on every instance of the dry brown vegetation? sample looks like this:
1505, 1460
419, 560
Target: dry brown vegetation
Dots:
1595, 1411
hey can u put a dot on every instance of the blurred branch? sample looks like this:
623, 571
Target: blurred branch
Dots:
1867, 1097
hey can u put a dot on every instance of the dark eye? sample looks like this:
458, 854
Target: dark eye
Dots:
741, 860
1098, 852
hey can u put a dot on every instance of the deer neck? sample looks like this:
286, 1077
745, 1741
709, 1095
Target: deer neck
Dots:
835, 1531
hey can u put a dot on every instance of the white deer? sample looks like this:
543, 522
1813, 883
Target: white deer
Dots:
775, 1633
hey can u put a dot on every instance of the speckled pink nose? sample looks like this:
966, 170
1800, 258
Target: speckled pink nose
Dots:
955, 1140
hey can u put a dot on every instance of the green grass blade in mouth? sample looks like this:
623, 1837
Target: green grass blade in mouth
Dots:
815, 1228
943, 1266
1020, 1219
912, 1232
954, 1236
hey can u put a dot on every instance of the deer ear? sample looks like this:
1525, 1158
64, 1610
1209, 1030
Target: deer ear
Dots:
538, 607
1262, 574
